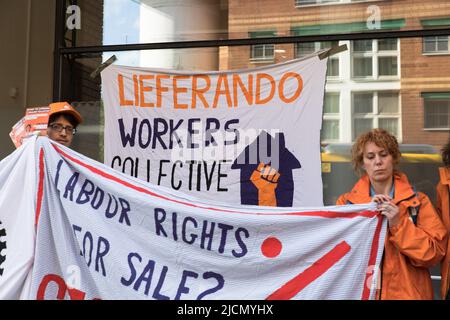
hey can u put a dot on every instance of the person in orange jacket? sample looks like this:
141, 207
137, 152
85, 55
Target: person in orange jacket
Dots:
416, 239
442, 206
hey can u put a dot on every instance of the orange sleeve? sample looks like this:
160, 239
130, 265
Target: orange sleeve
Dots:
342, 200
441, 198
425, 243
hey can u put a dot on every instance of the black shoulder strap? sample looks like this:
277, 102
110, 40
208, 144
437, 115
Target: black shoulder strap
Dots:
414, 211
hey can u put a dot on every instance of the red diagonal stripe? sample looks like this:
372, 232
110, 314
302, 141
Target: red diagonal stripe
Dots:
297, 284
373, 258
40, 193
323, 214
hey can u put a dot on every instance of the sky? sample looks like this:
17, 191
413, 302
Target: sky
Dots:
121, 26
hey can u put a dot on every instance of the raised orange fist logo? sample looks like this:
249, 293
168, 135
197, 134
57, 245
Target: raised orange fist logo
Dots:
265, 179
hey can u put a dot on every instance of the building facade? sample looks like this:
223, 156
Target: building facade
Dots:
399, 84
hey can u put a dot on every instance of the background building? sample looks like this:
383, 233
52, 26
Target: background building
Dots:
400, 84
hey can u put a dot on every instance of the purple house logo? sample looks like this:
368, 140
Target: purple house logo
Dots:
270, 151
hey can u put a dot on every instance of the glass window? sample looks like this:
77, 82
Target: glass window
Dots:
331, 117
362, 67
362, 58
437, 44
442, 44
305, 48
388, 102
304, 2
389, 124
328, 44
333, 67
361, 126
375, 59
363, 103
437, 113
362, 45
262, 52
387, 44
378, 109
331, 103
330, 130
387, 66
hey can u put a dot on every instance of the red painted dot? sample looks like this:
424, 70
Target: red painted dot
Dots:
271, 247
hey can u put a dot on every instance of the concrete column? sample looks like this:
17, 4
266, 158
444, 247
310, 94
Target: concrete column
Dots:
26, 61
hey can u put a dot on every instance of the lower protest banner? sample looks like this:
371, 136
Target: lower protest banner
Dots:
17, 212
105, 235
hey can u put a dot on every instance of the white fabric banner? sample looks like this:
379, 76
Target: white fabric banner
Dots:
104, 234
17, 223
205, 134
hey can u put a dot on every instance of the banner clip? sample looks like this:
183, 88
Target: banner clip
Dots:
332, 51
103, 66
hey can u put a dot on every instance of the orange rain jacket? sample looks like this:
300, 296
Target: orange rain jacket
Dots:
444, 211
409, 249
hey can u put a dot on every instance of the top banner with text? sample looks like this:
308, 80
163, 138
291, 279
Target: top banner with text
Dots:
244, 137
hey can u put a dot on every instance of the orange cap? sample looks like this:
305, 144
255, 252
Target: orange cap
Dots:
65, 107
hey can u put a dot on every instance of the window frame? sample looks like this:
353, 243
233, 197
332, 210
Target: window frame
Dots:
375, 114
375, 54
317, 47
427, 97
265, 46
264, 57
332, 116
298, 4
435, 52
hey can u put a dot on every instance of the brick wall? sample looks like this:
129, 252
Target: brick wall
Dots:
419, 73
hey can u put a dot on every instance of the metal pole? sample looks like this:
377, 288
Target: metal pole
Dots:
59, 38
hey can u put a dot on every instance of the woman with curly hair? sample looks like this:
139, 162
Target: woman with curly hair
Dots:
416, 238
443, 209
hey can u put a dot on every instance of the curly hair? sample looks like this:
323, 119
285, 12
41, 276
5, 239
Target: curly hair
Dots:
382, 139
446, 153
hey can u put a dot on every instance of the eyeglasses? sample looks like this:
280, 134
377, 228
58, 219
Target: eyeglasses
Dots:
59, 128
